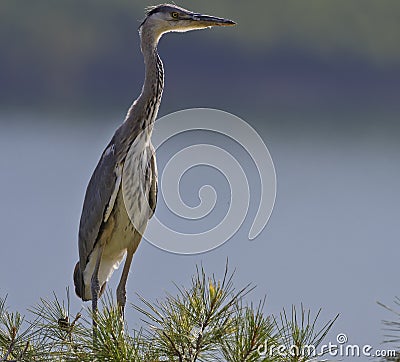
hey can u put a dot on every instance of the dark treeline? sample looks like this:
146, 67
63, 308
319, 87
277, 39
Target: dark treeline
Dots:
72, 55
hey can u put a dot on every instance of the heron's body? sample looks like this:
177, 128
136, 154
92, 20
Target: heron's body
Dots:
116, 231
122, 192
117, 236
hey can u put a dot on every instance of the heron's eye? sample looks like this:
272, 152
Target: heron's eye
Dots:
175, 15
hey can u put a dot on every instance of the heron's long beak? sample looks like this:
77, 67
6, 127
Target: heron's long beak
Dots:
207, 20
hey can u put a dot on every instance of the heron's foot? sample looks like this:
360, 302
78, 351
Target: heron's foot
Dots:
95, 289
121, 300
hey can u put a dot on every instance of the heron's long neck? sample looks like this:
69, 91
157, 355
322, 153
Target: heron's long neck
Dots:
140, 119
143, 111
153, 85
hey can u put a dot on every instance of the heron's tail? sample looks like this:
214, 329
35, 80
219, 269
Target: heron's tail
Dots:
78, 281
80, 284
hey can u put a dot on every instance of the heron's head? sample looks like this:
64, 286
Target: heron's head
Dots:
166, 18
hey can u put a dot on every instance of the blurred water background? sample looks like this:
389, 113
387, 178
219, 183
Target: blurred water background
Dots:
320, 82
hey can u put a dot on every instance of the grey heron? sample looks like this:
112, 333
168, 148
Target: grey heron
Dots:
114, 215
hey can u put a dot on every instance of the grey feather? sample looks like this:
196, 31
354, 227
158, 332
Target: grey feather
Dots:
97, 197
154, 184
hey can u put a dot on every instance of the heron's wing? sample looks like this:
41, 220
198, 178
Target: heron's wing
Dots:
99, 194
153, 185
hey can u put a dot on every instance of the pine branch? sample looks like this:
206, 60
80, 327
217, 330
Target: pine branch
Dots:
207, 321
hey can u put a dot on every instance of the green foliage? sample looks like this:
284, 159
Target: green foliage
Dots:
300, 335
193, 323
15, 339
209, 321
392, 328
251, 329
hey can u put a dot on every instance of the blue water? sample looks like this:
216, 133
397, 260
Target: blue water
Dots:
332, 241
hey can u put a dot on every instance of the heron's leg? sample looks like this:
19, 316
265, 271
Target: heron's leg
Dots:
121, 289
95, 286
